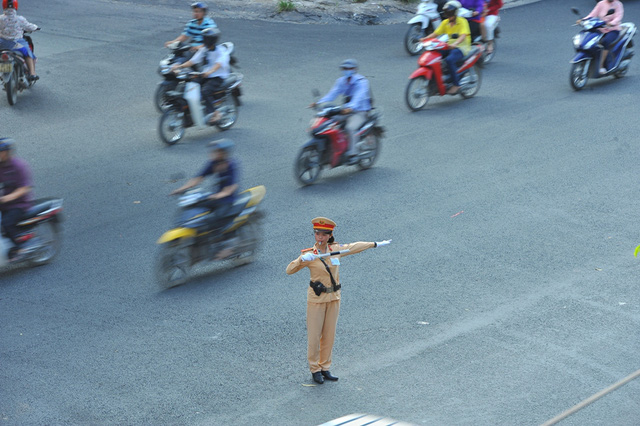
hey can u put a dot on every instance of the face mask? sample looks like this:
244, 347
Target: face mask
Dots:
348, 73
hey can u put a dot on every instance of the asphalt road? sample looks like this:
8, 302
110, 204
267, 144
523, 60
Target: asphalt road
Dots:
508, 295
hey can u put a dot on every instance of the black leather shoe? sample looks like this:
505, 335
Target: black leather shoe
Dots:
327, 375
317, 377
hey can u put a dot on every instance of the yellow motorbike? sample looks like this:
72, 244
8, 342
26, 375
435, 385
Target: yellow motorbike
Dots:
193, 240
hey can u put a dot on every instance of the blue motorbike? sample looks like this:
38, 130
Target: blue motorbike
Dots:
588, 50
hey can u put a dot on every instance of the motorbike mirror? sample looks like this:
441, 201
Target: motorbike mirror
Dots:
610, 12
315, 93
575, 11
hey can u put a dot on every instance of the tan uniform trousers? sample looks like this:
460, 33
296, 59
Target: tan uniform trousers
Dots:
322, 319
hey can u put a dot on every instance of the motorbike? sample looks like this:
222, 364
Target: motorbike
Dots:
433, 78
185, 107
329, 144
192, 240
427, 19
178, 54
39, 233
476, 37
585, 63
14, 72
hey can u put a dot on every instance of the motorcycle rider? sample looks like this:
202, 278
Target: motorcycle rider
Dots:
216, 68
15, 187
225, 171
357, 92
612, 29
12, 28
477, 15
491, 20
457, 28
193, 29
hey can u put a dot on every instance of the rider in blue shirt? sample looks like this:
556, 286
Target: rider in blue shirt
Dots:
193, 29
357, 93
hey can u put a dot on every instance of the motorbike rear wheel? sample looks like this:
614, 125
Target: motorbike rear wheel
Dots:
249, 236
171, 127
371, 148
417, 93
11, 87
412, 39
471, 89
49, 243
307, 167
229, 112
173, 265
576, 78
621, 72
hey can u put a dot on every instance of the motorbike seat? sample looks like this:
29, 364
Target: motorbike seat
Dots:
473, 51
229, 81
40, 206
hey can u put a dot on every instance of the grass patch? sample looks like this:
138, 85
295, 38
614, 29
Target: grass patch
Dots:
285, 6
408, 1
359, 1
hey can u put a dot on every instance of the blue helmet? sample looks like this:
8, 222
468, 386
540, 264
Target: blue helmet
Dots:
199, 5
6, 144
225, 145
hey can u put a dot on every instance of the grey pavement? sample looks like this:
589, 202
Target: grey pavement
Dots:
508, 295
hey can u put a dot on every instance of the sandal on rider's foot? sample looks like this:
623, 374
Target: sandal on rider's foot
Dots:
453, 91
214, 120
602, 71
33, 77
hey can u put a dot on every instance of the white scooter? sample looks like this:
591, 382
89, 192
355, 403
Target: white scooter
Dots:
427, 19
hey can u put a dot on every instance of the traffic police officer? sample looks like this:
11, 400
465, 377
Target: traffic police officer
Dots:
323, 295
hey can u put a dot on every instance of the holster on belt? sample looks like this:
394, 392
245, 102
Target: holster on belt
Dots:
319, 288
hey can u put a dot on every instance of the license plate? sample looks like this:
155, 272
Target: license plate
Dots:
6, 67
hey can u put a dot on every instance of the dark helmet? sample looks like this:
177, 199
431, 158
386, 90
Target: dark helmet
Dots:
10, 4
210, 36
225, 145
6, 144
199, 5
450, 8
349, 64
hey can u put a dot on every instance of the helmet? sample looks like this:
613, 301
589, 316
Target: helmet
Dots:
6, 144
210, 36
10, 4
199, 5
225, 145
450, 8
349, 64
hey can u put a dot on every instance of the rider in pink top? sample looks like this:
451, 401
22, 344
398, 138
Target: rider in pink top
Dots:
612, 29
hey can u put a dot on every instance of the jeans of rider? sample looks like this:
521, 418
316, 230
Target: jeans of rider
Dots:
451, 58
354, 122
209, 87
607, 41
10, 219
219, 213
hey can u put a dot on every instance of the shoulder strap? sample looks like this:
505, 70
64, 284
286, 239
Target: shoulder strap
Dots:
333, 282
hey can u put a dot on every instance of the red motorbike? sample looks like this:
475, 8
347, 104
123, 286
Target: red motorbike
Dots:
433, 78
329, 143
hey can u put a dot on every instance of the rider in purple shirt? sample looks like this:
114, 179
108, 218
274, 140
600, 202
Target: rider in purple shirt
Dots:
15, 189
476, 7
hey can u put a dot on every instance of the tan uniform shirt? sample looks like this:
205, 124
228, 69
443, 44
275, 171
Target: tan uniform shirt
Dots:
319, 272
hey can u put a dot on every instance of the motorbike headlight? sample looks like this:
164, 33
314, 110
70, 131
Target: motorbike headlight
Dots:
576, 41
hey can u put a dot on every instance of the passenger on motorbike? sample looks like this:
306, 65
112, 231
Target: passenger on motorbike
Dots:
457, 28
491, 20
12, 28
357, 93
15, 187
215, 69
477, 15
193, 29
611, 12
225, 171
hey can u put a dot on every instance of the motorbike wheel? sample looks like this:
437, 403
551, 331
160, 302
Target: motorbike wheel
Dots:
171, 127
173, 265
12, 88
487, 57
417, 93
412, 39
249, 236
470, 91
370, 147
575, 78
621, 73
159, 99
229, 113
307, 167
49, 243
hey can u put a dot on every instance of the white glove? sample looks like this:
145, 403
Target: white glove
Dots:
383, 243
308, 257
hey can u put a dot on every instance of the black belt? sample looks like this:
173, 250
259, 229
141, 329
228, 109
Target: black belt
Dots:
321, 288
